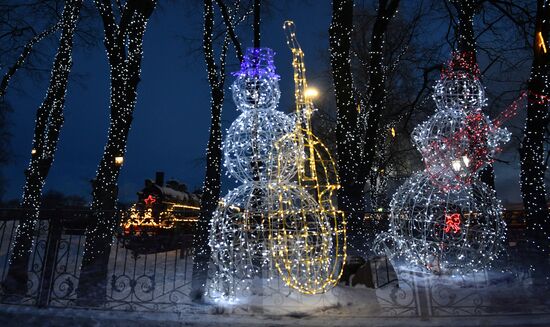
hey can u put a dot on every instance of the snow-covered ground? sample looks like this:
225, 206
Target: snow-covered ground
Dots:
494, 298
11, 315
414, 295
155, 287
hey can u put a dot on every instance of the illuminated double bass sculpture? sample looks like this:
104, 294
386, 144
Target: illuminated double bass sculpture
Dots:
307, 233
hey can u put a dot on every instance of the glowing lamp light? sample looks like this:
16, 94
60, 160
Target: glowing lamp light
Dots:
311, 93
392, 132
456, 165
33, 152
119, 161
466, 161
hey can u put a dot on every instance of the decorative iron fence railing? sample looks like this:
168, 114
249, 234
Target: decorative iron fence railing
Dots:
139, 277
149, 273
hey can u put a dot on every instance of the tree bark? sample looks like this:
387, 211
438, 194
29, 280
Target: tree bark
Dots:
466, 45
23, 56
212, 180
49, 120
355, 136
376, 104
123, 43
532, 150
348, 138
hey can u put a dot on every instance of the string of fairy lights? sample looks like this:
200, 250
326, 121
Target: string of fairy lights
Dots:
125, 69
306, 230
532, 151
27, 49
48, 124
349, 127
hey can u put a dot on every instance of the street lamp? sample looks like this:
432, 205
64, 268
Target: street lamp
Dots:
311, 93
119, 161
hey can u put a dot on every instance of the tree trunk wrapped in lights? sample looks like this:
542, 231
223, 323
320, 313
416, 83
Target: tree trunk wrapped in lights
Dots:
49, 120
357, 129
376, 102
349, 140
123, 43
465, 37
212, 181
532, 149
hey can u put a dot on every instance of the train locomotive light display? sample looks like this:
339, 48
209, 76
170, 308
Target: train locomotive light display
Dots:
444, 219
162, 219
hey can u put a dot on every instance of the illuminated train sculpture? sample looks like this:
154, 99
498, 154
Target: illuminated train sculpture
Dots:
162, 219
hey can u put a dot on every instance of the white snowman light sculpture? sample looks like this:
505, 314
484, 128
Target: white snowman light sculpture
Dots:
444, 219
238, 236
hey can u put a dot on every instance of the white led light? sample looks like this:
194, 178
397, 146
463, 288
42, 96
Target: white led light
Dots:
239, 228
456, 165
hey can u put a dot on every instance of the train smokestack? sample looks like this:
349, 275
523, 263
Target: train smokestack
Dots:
159, 178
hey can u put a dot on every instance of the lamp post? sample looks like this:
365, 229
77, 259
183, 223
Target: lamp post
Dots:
311, 93
119, 161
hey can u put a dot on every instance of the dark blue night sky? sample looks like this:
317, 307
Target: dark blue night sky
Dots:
172, 117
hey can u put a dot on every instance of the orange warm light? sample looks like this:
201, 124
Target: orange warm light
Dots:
540, 41
137, 221
119, 161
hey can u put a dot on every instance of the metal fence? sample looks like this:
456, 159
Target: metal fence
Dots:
137, 279
159, 280
8, 225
